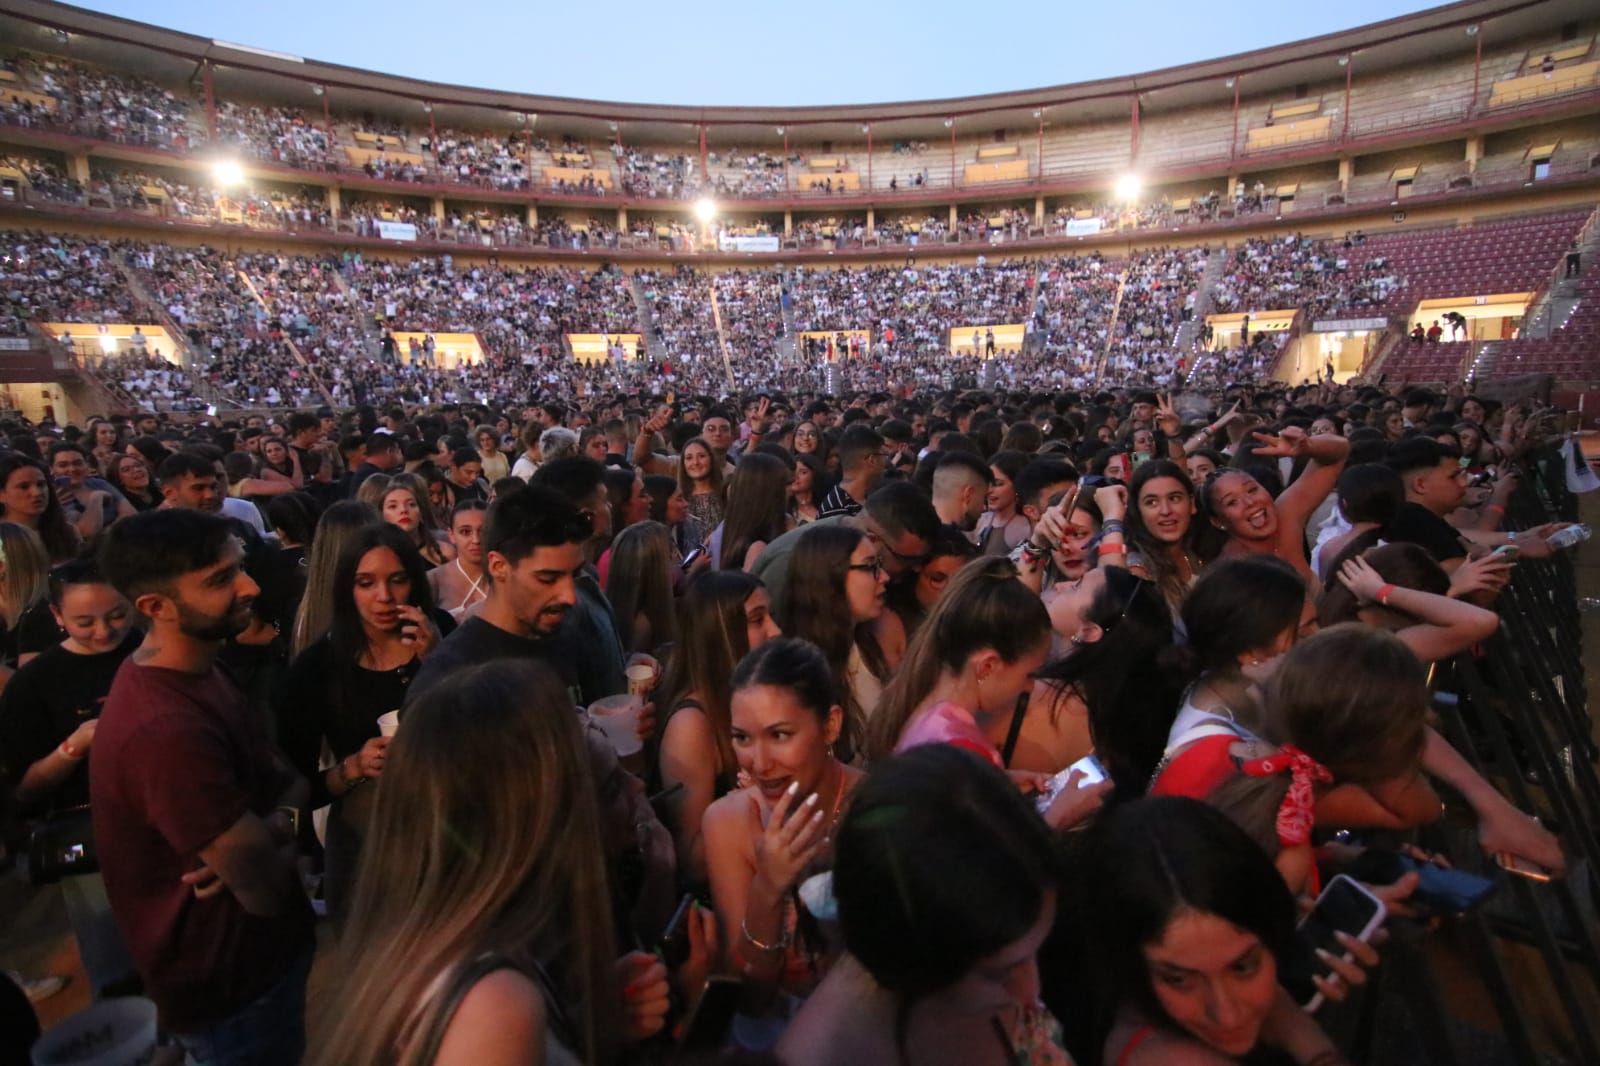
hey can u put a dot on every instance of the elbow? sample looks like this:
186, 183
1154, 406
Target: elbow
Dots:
1484, 624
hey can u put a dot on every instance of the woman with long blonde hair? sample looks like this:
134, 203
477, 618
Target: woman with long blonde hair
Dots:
24, 591
480, 929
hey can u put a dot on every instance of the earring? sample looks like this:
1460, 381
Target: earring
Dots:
1076, 638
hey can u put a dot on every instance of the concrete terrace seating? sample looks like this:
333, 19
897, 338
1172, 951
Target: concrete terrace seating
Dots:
1421, 361
1499, 256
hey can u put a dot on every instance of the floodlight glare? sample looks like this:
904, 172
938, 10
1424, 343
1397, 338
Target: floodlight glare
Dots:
227, 172
705, 209
1128, 187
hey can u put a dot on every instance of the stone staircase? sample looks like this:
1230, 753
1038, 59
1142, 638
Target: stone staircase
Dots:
789, 344
366, 315
1189, 332
1554, 305
294, 349
647, 317
1480, 364
191, 359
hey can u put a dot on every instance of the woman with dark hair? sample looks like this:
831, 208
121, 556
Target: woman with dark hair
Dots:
1201, 462
639, 587
807, 489
131, 476
1161, 531
970, 662
1003, 526
28, 498
405, 504
945, 883
836, 600
948, 552
756, 514
1116, 679
1235, 501
480, 930
700, 481
763, 841
293, 517
808, 440
336, 690
1187, 923
668, 506
725, 615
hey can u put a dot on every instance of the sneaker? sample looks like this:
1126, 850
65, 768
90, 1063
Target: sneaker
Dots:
38, 989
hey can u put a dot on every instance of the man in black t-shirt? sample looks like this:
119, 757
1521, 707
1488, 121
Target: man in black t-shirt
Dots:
1435, 484
533, 554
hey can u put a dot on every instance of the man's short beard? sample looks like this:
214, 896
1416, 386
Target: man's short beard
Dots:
192, 623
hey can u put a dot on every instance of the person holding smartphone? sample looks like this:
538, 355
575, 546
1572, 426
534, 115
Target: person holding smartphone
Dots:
1185, 921
383, 625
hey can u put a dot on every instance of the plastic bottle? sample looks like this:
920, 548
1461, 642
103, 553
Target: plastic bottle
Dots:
1566, 538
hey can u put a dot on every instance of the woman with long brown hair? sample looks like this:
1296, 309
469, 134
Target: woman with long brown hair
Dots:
480, 930
28, 498
700, 481
756, 513
639, 586
725, 615
837, 600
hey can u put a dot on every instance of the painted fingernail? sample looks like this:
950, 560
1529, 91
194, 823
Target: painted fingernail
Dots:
811, 800
794, 786
1324, 954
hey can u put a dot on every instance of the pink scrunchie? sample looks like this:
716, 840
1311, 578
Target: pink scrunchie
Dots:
1297, 812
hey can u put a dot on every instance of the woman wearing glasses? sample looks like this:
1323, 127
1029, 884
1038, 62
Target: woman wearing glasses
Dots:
836, 600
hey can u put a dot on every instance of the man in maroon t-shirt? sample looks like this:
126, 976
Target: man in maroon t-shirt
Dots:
198, 860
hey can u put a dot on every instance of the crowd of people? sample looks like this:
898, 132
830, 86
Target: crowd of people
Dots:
935, 726
1321, 277
47, 277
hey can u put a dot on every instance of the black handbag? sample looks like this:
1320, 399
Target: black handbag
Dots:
62, 845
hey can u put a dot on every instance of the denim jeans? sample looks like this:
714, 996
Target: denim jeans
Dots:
269, 1032
105, 957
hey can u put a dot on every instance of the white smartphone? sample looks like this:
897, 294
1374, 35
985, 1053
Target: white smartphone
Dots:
1345, 906
1093, 773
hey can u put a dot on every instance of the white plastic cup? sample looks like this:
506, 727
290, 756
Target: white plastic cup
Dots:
113, 1032
389, 723
618, 718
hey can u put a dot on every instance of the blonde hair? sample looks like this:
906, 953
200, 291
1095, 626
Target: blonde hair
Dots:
24, 571
373, 490
485, 838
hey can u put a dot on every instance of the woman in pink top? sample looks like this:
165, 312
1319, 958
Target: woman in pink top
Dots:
973, 656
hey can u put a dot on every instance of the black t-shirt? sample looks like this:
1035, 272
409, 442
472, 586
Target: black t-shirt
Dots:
319, 702
1415, 524
45, 703
477, 641
37, 630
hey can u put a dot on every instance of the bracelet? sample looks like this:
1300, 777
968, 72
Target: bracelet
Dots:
1113, 525
345, 781
67, 751
1112, 549
744, 930
1033, 551
1382, 597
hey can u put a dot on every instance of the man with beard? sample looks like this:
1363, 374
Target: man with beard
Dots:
532, 560
193, 810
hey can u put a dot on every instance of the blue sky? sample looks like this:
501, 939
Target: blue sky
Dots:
758, 51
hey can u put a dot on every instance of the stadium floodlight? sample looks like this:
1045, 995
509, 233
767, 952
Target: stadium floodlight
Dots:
1129, 186
227, 172
705, 209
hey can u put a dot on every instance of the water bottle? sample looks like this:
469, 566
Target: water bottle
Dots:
1566, 538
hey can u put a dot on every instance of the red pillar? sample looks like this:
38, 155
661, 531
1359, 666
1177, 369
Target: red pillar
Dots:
211, 101
1233, 146
1133, 154
869, 157
1349, 75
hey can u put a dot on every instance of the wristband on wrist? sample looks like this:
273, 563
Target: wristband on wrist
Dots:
1112, 549
1113, 525
1383, 594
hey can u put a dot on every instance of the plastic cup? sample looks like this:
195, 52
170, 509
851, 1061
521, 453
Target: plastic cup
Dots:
389, 723
113, 1032
618, 718
642, 673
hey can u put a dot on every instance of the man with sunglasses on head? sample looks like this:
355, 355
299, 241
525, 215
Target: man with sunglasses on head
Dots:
899, 520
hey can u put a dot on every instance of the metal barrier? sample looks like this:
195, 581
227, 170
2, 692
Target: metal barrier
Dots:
1518, 711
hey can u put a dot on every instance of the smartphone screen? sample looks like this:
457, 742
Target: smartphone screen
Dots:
1343, 907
